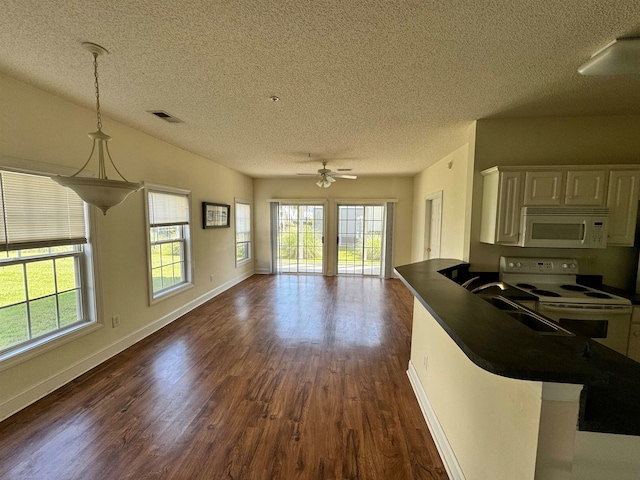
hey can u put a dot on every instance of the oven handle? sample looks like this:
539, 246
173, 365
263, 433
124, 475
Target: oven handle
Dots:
621, 310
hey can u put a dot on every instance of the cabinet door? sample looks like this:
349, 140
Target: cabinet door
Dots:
509, 206
634, 342
622, 201
585, 187
543, 188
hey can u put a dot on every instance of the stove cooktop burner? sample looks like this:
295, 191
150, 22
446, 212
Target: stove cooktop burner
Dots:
545, 293
597, 295
574, 288
553, 284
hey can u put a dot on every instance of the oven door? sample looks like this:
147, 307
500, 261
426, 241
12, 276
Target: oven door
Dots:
607, 324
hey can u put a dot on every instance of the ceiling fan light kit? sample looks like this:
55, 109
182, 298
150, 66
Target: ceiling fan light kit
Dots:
327, 177
324, 183
101, 192
620, 57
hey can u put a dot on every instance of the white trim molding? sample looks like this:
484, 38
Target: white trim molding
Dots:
447, 454
61, 378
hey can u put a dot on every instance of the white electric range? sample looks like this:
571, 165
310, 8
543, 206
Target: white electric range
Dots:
583, 310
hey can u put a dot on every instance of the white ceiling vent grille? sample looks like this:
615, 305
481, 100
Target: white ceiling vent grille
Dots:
167, 117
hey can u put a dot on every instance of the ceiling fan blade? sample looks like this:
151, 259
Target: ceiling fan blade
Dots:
307, 174
330, 178
342, 175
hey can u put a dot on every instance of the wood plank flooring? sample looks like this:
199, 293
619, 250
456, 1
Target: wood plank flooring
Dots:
281, 377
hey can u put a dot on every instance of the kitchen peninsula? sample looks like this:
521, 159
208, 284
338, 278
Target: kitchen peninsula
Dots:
503, 401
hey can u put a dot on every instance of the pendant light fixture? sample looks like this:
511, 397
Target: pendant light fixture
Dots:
101, 192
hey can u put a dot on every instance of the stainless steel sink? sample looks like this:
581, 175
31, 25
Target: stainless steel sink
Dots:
532, 320
537, 323
502, 303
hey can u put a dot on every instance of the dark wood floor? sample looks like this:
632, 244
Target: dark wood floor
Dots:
280, 377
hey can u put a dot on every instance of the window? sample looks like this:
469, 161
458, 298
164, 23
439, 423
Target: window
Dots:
243, 232
168, 221
45, 262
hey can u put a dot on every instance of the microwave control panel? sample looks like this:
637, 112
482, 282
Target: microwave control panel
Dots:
567, 266
598, 233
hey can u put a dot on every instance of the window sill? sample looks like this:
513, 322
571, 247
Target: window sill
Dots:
243, 262
170, 293
27, 352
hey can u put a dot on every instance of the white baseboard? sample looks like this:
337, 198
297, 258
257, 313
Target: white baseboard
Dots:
442, 444
61, 378
263, 271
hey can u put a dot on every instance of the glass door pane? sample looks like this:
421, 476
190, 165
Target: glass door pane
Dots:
300, 239
360, 233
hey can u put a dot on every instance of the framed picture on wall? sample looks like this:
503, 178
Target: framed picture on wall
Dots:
215, 215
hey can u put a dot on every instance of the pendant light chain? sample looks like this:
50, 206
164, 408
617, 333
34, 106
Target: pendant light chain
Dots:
95, 73
99, 191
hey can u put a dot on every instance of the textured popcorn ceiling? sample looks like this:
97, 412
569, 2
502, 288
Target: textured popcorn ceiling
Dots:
387, 87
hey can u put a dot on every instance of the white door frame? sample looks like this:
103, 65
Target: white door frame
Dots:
313, 202
429, 250
360, 203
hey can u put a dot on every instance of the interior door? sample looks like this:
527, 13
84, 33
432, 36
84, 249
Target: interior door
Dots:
300, 239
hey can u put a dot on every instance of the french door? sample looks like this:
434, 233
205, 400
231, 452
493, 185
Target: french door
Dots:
360, 239
300, 239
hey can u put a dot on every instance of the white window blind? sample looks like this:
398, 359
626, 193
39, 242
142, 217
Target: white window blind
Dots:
168, 209
37, 212
243, 222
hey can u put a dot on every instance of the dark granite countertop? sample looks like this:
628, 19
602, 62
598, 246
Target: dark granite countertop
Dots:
501, 345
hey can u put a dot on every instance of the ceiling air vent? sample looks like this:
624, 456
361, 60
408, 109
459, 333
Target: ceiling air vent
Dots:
165, 116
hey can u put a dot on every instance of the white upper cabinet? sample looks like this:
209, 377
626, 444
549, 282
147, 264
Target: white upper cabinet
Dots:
501, 205
508, 189
562, 187
622, 201
585, 187
543, 188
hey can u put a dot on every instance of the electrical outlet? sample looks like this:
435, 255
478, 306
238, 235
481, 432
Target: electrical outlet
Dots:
115, 321
425, 360
211, 278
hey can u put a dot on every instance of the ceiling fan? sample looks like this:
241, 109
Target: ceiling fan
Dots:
327, 177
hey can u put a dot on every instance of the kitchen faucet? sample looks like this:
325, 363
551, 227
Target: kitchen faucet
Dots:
500, 285
468, 282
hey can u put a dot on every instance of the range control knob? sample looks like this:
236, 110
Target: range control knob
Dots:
572, 265
564, 265
518, 264
511, 264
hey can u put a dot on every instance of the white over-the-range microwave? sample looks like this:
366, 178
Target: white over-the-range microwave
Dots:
564, 227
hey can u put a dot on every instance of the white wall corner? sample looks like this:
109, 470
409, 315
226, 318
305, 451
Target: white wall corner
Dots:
561, 392
557, 431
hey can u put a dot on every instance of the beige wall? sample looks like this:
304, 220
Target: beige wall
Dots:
450, 176
556, 141
490, 422
40, 127
376, 188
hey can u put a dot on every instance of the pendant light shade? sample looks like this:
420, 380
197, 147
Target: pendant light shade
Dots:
101, 192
